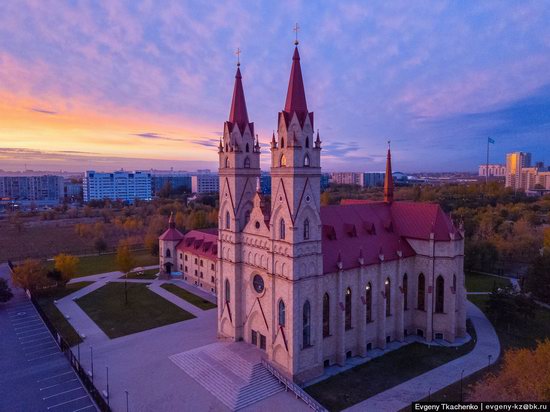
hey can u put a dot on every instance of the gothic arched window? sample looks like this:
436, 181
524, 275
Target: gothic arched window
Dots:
306, 229
227, 220
454, 283
326, 315
282, 142
306, 161
246, 161
306, 325
307, 142
247, 148
348, 308
282, 229
227, 291
439, 294
405, 291
168, 253
281, 313
368, 299
421, 292
282, 162
387, 293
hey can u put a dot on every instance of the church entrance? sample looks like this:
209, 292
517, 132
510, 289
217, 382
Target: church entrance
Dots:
258, 339
168, 267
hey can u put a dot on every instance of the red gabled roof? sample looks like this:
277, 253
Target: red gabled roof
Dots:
359, 229
419, 220
201, 242
171, 234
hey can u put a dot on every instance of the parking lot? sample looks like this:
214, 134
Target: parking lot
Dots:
35, 375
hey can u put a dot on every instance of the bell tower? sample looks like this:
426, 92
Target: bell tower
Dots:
239, 169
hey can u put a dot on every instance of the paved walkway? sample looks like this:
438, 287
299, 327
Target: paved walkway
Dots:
403, 395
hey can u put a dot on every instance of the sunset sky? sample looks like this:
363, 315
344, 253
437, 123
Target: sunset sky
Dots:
147, 84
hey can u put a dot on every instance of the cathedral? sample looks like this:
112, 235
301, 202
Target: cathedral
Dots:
313, 286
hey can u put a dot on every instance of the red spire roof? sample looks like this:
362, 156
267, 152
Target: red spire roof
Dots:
238, 114
388, 180
296, 95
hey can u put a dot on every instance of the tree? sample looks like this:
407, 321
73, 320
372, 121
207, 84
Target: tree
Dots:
100, 245
537, 280
5, 291
125, 262
515, 381
30, 275
66, 265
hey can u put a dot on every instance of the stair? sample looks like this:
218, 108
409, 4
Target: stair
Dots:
235, 381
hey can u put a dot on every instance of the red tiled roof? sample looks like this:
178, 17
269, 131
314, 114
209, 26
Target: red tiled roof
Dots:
202, 242
238, 114
355, 229
171, 234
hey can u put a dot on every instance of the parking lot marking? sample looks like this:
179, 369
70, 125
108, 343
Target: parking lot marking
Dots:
60, 383
64, 403
26, 321
30, 330
54, 376
41, 350
35, 340
83, 409
31, 336
61, 393
45, 356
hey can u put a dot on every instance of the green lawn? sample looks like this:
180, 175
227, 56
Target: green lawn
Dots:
477, 282
45, 300
91, 265
361, 382
147, 274
145, 309
188, 296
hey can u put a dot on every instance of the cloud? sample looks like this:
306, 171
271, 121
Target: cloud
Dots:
157, 136
206, 142
39, 110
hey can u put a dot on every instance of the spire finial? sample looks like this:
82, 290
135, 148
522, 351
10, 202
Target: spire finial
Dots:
389, 144
296, 29
238, 53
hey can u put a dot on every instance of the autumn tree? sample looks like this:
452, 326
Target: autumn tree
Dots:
537, 280
67, 265
5, 291
100, 245
30, 275
516, 381
125, 262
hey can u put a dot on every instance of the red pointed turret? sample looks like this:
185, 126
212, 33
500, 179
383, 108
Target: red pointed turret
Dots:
238, 114
296, 95
388, 180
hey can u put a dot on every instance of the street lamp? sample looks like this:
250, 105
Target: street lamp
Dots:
92, 363
126, 400
461, 376
490, 356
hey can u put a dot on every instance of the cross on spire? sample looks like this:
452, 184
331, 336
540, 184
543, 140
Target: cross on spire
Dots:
296, 29
238, 53
389, 144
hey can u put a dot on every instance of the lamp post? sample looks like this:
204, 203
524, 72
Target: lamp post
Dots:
126, 400
108, 394
92, 362
490, 356
461, 376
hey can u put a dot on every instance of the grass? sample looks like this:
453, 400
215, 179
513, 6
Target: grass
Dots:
147, 274
515, 335
145, 309
477, 282
63, 327
188, 296
363, 381
92, 265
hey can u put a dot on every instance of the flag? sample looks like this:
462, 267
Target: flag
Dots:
491, 140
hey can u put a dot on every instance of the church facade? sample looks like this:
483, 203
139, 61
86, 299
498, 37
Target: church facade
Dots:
311, 285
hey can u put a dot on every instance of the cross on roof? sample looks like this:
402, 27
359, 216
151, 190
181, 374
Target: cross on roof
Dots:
238, 53
296, 29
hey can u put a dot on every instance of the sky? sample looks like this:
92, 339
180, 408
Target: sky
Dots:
147, 84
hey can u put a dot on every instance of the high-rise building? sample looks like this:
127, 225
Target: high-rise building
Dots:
41, 190
119, 185
347, 178
205, 183
514, 163
372, 179
178, 182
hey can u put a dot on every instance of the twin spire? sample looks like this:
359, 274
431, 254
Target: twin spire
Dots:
295, 97
388, 179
